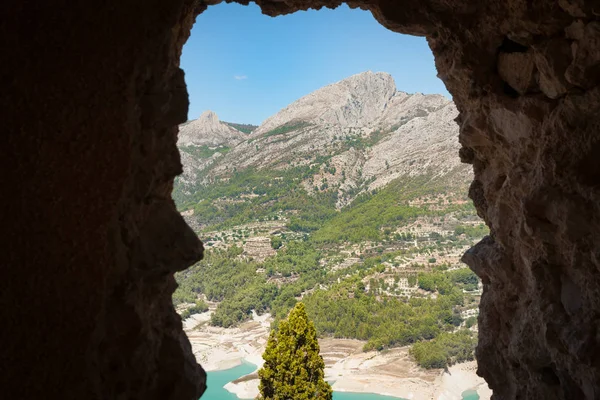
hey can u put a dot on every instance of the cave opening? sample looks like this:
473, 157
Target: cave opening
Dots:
91, 237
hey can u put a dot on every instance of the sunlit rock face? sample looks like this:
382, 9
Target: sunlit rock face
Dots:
208, 130
93, 95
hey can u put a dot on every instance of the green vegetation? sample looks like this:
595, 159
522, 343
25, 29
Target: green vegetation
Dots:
346, 311
223, 276
197, 308
293, 368
360, 142
472, 231
370, 213
412, 280
446, 282
245, 128
465, 278
265, 194
444, 350
276, 242
471, 321
204, 151
286, 128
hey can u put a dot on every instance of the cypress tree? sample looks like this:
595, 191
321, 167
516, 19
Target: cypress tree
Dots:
293, 368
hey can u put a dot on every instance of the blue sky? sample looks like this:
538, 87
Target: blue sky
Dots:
246, 66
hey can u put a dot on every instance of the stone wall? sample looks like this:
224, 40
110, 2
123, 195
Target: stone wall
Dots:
92, 97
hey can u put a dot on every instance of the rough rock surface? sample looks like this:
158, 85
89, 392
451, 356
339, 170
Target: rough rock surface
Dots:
91, 238
209, 131
424, 144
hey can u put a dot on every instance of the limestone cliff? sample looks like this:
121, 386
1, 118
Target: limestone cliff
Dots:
208, 130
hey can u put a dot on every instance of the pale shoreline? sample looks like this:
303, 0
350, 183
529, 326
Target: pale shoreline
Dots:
448, 385
348, 368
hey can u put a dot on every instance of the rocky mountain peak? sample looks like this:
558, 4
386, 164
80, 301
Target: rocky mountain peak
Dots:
209, 117
210, 131
355, 101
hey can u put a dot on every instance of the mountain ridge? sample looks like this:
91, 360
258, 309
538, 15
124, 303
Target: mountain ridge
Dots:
362, 132
354, 101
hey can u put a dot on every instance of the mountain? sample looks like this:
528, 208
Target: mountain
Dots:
208, 131
202, 141
362, 132
357, 101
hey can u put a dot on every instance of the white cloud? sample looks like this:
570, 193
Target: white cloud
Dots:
240, 77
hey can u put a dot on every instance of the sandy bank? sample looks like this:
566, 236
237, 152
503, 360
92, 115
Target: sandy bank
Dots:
459, 378
222, 348
394, 373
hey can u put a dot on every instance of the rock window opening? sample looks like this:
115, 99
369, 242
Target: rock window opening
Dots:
350, 198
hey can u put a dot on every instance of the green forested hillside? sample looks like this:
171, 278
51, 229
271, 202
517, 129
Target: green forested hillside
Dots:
336, 300
266, 194
246, 128
373, 214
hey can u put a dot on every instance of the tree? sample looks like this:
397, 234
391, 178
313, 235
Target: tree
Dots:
276, 242
197, 308
293, 368
412, 280
447, 348
471, 321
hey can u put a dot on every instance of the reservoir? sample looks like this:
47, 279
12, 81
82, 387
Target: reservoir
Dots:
218, 379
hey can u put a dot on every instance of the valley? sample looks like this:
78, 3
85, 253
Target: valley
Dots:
353, 200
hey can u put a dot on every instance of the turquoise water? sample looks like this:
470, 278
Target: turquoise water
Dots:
470, 395
218, 379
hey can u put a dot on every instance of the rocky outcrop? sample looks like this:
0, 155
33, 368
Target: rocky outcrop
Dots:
201, 143
208, 131
424, 144
364, 100
353, 102
91, 238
